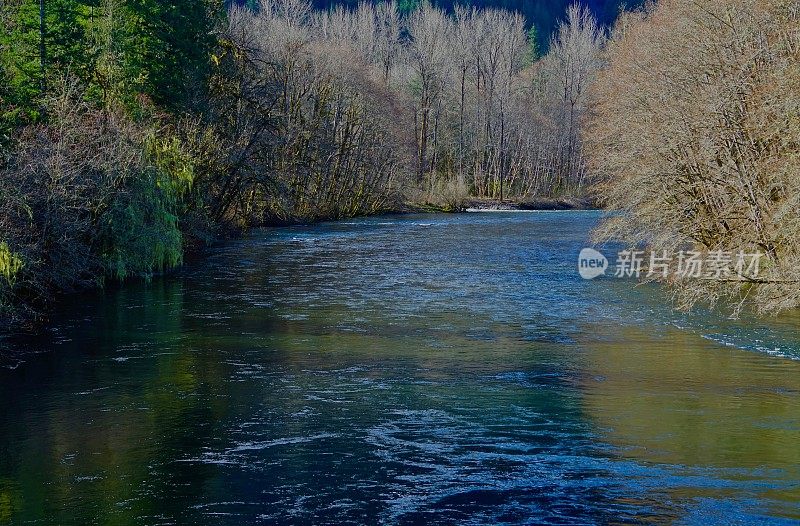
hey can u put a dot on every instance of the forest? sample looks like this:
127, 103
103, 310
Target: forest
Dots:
134, 132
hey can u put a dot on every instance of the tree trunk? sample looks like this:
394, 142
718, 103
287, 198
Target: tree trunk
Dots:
42, 48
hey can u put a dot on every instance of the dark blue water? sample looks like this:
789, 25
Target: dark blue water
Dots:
436, 369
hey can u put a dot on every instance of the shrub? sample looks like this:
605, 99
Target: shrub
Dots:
87, 195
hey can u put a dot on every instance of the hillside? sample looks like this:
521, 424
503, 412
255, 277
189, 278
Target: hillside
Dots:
543, 14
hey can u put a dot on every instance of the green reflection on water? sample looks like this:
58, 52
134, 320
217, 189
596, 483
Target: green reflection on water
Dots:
682, 400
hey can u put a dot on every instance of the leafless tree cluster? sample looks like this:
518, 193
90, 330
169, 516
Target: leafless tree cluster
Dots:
307, 129
696, 138
358, 102
504, 124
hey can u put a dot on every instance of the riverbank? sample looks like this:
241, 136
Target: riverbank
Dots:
23, 313
475, 204
540, 203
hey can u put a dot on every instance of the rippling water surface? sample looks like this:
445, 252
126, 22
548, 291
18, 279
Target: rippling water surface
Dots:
413, 370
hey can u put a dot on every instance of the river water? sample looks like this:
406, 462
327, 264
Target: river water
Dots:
432, 369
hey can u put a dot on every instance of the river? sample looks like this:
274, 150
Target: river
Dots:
424, 369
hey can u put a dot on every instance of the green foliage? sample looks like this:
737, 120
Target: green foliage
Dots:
19, 62
118, 48
170, 45
140, 231
534, 52
406, 6
10, 264
176, 165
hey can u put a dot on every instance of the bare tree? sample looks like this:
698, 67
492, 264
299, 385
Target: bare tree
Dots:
388, 45
484, 120
429, 30
571, 66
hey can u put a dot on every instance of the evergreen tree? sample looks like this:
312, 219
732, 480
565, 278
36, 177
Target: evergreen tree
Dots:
126, 47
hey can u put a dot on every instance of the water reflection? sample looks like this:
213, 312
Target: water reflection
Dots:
684, 402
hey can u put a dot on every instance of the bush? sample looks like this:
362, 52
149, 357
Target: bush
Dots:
88, 195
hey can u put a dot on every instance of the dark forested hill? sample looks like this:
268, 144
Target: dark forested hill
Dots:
543, 14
